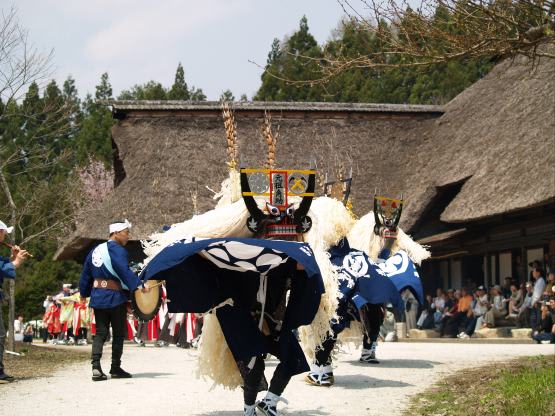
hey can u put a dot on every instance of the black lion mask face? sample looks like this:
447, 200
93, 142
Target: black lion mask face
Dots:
280, 220
387, 213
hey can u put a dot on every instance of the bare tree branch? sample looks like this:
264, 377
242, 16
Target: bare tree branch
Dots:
408, 38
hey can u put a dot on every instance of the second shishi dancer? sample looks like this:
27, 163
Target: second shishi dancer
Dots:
375, 262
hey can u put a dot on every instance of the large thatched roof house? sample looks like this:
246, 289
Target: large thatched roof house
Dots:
478, 174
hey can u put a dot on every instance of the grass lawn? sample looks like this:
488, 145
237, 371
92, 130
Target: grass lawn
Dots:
521, 387
40, 361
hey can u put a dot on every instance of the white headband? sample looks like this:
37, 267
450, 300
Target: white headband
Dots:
119, 226
5, 227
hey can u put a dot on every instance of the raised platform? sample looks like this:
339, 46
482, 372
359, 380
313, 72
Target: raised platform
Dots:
500, 332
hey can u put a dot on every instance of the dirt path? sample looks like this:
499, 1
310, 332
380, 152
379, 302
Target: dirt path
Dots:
164, 383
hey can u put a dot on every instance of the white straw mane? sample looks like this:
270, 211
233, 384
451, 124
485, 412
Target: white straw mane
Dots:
362, 237
331, 222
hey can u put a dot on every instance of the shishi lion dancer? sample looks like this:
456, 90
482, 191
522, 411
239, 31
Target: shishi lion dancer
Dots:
375, 263
235, 339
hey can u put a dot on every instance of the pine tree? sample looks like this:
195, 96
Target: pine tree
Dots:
73, 105
104, 89
94, 139
179, 89
292, 59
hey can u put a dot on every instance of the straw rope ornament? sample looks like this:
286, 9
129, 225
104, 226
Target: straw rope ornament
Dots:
230, 190
271, 140
231, 135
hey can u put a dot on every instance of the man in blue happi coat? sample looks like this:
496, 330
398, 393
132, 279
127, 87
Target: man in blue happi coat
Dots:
7, 270
108, 280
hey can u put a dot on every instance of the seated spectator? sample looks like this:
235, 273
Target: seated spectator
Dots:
28, 334
497, 309
450, 309
523, 312
426, 319
546, 334
438, 305
387, 330
464, 307
549, 285
506, 289
514, 301
480, 306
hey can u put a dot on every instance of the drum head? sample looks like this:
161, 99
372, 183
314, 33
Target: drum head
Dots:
146, 305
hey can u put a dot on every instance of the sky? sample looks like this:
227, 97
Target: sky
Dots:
140, 40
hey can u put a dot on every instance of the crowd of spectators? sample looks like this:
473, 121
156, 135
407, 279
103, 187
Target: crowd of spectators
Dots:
459, 313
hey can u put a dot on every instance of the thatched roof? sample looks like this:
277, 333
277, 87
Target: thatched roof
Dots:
167, 155
497, 137
126, 106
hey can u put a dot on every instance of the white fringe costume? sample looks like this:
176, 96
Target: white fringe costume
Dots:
330, 222
362, 237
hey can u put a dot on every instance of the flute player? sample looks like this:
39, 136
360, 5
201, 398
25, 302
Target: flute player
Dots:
7, 269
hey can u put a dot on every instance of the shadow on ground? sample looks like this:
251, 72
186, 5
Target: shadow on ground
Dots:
359, 381
284, 412
402, 363
151, 375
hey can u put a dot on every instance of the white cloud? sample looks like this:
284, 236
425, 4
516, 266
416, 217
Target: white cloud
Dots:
140, 40
139, 30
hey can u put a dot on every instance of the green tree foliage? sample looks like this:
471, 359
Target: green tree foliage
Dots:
35, 136
46, 139
227, 95
296, 59
93, 139
179, 90
153, 90
197, 94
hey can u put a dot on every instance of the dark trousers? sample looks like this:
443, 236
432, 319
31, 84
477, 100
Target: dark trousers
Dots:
471, 325
323, 353
460, 319
142, 331
45, 334
164, 334
254, 379
372, 316
116, 317
82, 334
544, 336
535, 318
2, 339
